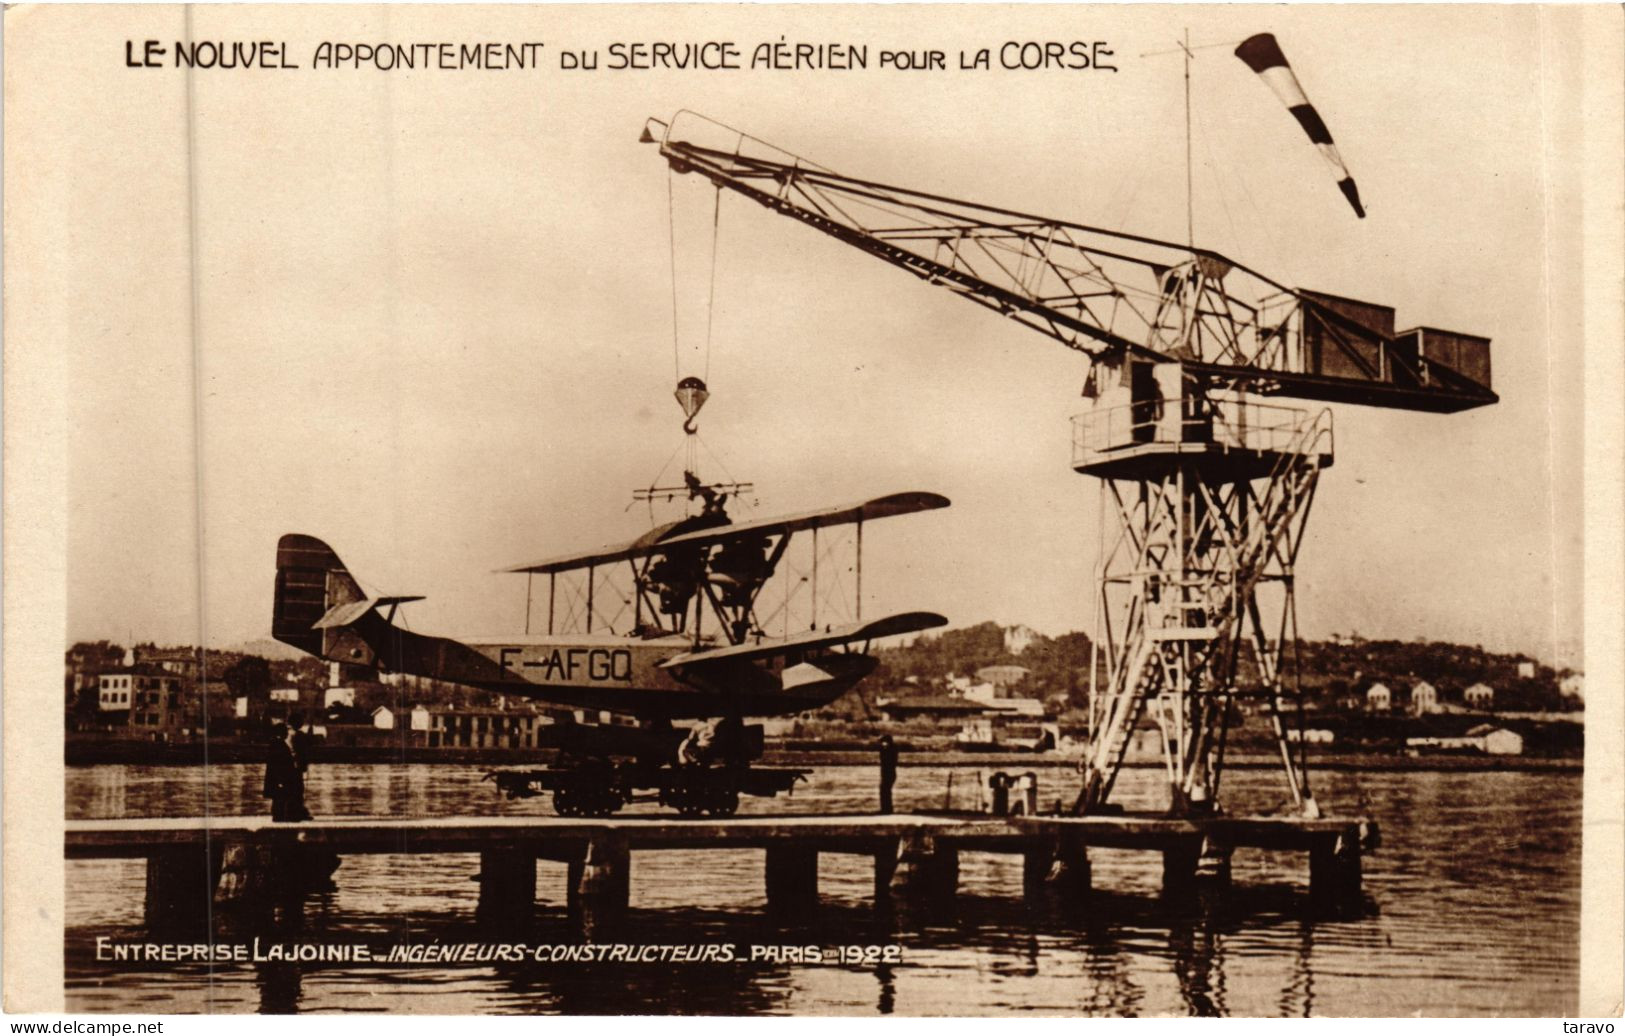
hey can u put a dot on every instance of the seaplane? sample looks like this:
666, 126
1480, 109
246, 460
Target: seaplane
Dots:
665, 628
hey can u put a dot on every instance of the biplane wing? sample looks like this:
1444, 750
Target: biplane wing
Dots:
319, 608
812, 640
657, 541
880, 507
643, 546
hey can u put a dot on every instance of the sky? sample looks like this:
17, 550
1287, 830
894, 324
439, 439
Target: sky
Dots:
428, 316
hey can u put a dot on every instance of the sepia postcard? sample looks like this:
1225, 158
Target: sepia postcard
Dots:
813, 510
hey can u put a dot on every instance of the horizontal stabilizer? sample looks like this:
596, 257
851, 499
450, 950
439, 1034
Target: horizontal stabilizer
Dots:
345, 614
890, 626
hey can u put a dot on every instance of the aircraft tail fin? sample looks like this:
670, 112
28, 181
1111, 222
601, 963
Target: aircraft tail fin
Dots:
310, 582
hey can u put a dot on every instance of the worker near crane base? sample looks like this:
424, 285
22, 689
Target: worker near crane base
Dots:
888, 771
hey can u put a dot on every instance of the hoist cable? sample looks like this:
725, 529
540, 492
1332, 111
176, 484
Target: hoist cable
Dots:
711, 294
671, 239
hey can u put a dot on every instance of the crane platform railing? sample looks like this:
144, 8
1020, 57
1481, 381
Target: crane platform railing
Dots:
1220, 426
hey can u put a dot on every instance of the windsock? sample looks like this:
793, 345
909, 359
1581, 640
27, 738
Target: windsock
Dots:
1263, 55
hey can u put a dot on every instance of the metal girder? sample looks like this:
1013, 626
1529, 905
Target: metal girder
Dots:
1180, 607
1107, 294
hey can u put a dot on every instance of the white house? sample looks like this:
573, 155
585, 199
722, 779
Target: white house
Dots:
113, 690
779, 726
1479, 696
152, 696
1573, 686
1311, 736
477, 727
338, 696
1486, 737
383, 717
1526, 670
1424, 698
982, 692
1002, 676
1497, 740
1379, 698
287, 694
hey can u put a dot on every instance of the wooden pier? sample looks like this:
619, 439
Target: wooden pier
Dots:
235, 859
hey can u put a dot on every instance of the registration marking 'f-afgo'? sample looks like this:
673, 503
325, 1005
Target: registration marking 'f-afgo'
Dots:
595, 665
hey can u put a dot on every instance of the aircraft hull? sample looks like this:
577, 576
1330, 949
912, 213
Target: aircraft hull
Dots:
615, 674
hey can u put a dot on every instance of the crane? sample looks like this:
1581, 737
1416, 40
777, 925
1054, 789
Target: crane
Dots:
1210, 479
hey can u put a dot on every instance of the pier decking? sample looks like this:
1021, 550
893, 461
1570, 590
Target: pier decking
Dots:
914, 854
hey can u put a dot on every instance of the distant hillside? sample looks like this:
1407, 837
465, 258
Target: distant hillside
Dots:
1330, 669
1056, 665
274, 650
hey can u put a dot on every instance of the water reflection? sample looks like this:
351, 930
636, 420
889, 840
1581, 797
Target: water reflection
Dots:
1474, 871
1194, 949
1298, 998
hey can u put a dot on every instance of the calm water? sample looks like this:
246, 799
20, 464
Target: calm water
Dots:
1473, 910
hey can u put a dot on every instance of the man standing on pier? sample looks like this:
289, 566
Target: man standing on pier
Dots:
888, 771
285, 777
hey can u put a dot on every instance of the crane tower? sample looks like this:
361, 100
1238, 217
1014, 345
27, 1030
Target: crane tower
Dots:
1207, 476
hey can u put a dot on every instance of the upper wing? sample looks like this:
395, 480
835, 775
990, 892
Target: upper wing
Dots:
648, 543
880, 507
657, 540
890, 626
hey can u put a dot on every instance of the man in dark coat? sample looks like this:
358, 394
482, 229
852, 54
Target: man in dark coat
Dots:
888, 771
285, 777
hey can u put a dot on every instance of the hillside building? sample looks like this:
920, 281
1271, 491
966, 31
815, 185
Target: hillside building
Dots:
151, 696
1378, 698
1003, 677
1497, 740
1479, 696
1424, 698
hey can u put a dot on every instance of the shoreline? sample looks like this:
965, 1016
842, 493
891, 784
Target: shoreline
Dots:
144, 753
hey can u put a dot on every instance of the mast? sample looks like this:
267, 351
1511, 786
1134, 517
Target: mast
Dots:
1190, 192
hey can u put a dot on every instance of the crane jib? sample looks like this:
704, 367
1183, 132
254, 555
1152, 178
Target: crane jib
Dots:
1110, 294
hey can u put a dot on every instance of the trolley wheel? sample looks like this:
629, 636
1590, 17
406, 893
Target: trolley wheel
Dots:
687, 802
723, 803
603, 802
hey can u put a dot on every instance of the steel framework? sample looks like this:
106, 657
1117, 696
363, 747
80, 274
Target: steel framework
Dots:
1209, 488
1210, 503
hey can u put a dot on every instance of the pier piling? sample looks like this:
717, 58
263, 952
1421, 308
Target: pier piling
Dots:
1179, 863
792, 880
507, 880
180, 887
1036, 864
1335, 873
925, 870
1059, 868
265, 866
